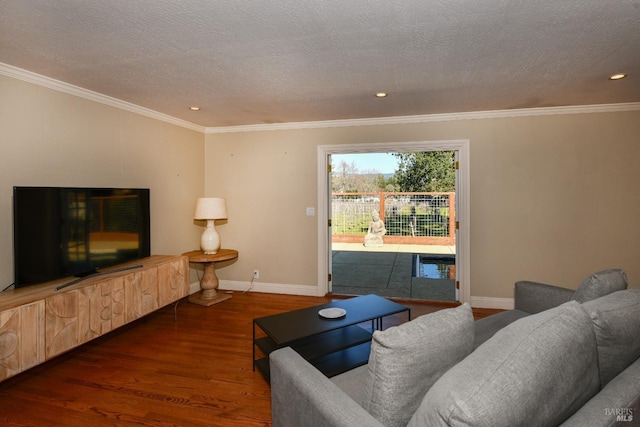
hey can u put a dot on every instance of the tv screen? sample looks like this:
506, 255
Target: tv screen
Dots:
60, 232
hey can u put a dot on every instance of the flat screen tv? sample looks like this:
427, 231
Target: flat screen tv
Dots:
61, 232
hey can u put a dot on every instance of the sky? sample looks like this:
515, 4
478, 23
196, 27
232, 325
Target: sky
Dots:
381, 162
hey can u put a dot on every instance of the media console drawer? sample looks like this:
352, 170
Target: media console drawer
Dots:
38, 323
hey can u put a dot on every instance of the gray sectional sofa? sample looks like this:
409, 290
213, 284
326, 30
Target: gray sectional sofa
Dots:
562, 357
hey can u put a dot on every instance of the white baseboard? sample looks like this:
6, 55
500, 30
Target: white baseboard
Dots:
194, 287
269, 288
487, 302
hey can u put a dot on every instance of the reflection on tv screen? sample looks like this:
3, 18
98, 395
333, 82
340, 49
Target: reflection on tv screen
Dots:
62, 232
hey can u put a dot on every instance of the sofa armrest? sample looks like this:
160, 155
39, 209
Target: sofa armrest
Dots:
533, 297
302, 396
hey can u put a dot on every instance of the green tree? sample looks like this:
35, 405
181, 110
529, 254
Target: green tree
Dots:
426, 171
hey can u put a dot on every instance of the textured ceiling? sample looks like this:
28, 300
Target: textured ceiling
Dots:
253, 62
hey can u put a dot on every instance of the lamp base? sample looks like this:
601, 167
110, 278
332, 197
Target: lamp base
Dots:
210, 239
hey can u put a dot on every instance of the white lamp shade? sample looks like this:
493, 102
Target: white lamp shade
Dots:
211, 208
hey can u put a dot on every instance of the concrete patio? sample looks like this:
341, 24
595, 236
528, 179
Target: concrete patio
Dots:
387, 271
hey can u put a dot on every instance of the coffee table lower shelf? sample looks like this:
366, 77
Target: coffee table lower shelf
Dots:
331, 352
331, 364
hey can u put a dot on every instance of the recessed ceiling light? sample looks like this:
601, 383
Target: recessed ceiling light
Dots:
194, 108
617, 76
381, 95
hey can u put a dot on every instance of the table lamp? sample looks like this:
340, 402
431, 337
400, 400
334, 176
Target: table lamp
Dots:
210, 209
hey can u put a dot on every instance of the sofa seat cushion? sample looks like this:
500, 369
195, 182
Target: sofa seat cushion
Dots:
352, 382
406, 360
616, 320
539, 369
600, 284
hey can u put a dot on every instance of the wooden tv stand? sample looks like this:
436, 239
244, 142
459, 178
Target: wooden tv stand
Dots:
39, 322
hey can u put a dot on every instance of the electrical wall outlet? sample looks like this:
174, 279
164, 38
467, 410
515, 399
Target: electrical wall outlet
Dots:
256, 274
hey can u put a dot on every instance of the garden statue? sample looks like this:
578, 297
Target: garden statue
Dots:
375, 232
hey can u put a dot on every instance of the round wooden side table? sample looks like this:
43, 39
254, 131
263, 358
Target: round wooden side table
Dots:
209, 283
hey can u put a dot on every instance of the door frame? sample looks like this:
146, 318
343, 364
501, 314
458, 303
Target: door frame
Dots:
462, 206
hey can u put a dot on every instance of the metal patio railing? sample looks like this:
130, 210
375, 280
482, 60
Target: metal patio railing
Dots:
410, 218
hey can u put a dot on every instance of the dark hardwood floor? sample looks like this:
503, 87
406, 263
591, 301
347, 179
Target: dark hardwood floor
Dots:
196, 371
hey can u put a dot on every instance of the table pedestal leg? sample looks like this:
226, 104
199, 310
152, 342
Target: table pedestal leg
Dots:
209, 284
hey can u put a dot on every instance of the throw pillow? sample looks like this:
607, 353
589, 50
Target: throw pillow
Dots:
540, 369
406, 360
616, 320
600, 284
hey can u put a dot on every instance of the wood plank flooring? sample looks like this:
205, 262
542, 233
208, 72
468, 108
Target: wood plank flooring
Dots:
196, 371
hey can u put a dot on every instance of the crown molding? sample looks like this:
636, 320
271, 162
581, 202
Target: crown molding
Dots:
60, 86
473, 115
57, 85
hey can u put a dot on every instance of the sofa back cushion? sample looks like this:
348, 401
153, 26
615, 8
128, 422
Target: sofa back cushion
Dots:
406, 360
600, 284
536, 371
616, 320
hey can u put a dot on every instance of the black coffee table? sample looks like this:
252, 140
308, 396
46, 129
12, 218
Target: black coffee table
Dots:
333, 346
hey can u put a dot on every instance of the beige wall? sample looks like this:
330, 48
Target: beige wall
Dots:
48, 138
553, 198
